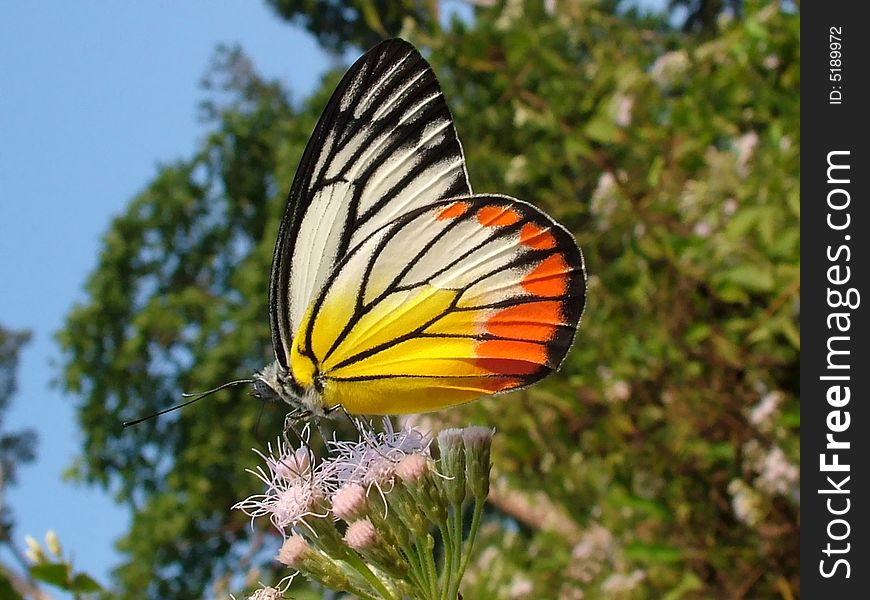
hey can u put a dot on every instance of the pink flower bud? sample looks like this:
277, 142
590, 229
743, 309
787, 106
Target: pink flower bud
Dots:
349, 502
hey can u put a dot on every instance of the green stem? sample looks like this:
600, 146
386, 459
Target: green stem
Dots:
453, 589
447, 539
419, 576
357, 563
353, 587
429, 555
472, 535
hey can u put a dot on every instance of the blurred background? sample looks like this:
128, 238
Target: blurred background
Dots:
146, 154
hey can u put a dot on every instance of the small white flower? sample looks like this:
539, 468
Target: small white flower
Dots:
607, 199
744, 147
361, 535
34, 550
372, 460
622, 110
746, 502
516, 171
702, 229
763, 412
730, 206
777, 474
349, 502
621, 583
266, 593
669, 68
522, 115
591, 552
521, 587
293, 551
510, 14
294, 490
617, 391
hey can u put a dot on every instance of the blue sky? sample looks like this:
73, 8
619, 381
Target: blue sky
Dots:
94, 96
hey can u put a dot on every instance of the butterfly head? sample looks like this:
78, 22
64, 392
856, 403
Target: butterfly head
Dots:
275, 383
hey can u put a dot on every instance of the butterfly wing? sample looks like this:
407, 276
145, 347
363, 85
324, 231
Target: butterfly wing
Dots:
384, 146
451, 301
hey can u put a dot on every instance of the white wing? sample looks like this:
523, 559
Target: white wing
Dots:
385, 145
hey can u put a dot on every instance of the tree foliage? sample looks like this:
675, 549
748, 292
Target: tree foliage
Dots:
338, 24
16, 448
660, 462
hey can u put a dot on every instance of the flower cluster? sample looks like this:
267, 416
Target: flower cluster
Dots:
365, 520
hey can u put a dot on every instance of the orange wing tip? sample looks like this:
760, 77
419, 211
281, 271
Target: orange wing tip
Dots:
534, 321
497, 216
500, 384
536, 237
508, 357
453, 211
549, 278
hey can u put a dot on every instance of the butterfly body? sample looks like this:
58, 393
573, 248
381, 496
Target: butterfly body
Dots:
394, 289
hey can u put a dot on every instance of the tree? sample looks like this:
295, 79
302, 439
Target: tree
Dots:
661, 460
16, 448
338, 24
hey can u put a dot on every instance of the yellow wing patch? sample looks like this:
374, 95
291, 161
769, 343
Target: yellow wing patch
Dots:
444, 304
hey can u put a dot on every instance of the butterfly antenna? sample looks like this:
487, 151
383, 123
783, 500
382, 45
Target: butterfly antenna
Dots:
290, 425
303, 437
193, 398
365, 433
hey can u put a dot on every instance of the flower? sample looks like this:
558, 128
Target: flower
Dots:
596, 546
294, 491
364, 538
266, 593
622, 106
776, 474
298, 554
746, 502
670, 68
520, 587
293, 551
34, 550
762, 414
478, 446
622, 583
386, 488
452, 463
413, 467
349, 502
417, 498
371, 461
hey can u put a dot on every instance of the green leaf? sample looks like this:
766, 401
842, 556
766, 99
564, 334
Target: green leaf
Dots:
654, 553
697, 333
56, 574
85, 583
688, 584
602, 129
755, 278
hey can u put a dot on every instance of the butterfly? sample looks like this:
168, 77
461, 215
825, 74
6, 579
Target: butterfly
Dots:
394, 289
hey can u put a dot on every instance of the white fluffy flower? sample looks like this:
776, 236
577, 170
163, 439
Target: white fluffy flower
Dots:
372, 460
777, 475
294, 490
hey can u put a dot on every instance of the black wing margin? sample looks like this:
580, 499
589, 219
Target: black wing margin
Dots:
385, 145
